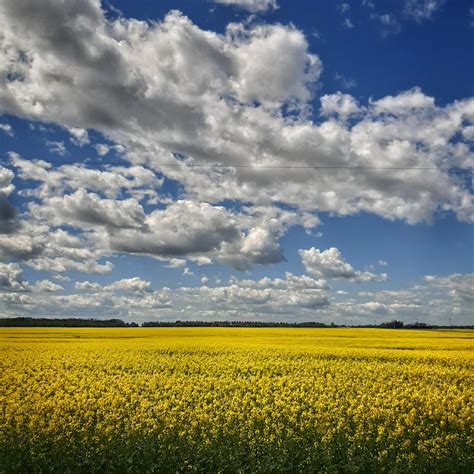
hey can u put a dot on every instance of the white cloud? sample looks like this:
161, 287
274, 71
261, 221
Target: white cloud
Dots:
235, 297
184, 227
10, 277
79, 136
112, 182
63, 264
468, 132
24, 246
438, 300
177, 263
122, 298
202, 233
343, 105
46, 286
253, 6
6, 178
459, 286
87, 286
56, 147
293, 297
86, 210
139, 84
260, 246
207, 113
7, 128
134, 284
273, 64
201, 260
404, 103
290, 282
330, 264
421, 10
46, 249
102, 149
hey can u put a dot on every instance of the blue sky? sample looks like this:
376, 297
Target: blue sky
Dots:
237, 159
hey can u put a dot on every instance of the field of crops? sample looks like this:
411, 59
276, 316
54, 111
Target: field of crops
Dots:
230, 400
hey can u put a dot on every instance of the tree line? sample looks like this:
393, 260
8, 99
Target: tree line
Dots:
118, 323
65, 323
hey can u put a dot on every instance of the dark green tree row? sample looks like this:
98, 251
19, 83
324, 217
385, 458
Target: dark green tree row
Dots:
65, 323
118, 323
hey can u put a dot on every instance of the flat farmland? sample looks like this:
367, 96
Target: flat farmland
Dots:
236, 400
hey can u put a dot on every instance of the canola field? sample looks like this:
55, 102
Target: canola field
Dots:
236, 400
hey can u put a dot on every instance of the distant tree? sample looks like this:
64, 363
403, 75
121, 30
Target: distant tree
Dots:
392, 324
417, 325
64, 323
244, 324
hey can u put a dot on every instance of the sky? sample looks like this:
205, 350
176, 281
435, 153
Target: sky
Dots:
240, 160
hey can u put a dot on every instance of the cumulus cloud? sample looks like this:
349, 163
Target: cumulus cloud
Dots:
295, 297
88, 209
10, 277
177, 263
291, 282
102, 149
25, 246
140, 86
258, 246
6, 177
46, 286
134, 284
79, 136
227, 110
56, 147
343, 105
273, 64
114, 181
46, 249
7, 129
64, 264
87, 286
436, 300
265, 296
404, 103
459, 286
264, 301
184, 227
122, 298
331, 264
136, 298
253, 6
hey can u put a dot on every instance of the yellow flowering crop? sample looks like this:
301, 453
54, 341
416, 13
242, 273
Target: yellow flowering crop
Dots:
236, 400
